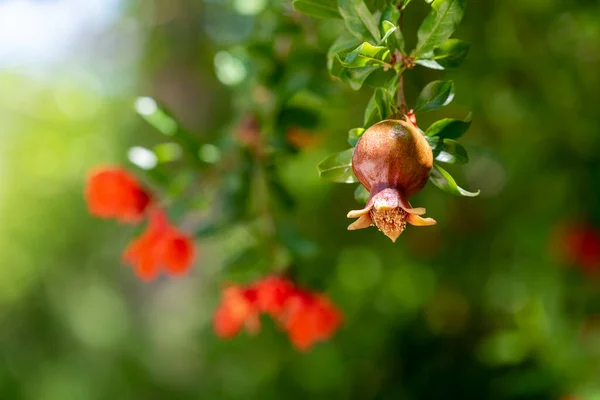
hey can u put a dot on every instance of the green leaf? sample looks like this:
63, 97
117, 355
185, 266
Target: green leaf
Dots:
359, 20
338, 167
325, 9
389, 23
439, 25
367, 55
355, 77
378, 107
449, 128
435, 95
354, 135
387, 29
447, 151
433, 64
361, 195
379, 77
451, 53
443, 180
344, 44
358, 76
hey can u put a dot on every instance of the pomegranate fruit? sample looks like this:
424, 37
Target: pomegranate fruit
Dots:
392, 160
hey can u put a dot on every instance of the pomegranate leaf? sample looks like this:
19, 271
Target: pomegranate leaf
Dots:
359, 20
449, 128
338, 167
435, 95
324, 9
444, 181
439, 25
354, 135
367, 55
447, 151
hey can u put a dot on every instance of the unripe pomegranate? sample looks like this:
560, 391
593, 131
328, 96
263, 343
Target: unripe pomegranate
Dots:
392, 160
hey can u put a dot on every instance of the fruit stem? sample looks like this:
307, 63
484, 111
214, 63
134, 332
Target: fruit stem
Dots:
400, 97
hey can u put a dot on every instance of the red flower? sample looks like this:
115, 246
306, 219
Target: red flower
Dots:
160, 246
306, 317
112, 192
580, 244
236, 310
273, 293
310, 318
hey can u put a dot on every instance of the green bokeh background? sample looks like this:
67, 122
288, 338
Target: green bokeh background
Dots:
478, 307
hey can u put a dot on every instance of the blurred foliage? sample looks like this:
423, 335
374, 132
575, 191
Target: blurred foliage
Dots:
479, 306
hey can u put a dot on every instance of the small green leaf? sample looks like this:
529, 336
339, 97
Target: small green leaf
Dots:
344, 44
325, 9
451, 53
354, 135
355, 77
358, 76
367, 55
379, 77
433, 64
391, 87
378, 107
444, 181
447, 151
449, 128
389, 20
388, 29
361, 195
439, 25
359, 20
435, 95
338, 167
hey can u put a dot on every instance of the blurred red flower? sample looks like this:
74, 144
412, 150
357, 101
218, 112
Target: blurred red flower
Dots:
580, 245
237, 309
111, 192
306, 317
310, 318
161, 246
273, 293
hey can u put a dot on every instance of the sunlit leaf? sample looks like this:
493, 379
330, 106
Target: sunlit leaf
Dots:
388, 29
359, 20
444, 181
435, 95
449, 128
392, 35
451, 53
325, 9
338, 167
354, 135
439, 25
367, 55
447, 151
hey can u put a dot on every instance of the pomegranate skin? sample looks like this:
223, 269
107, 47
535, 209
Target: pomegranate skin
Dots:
392, 153
392, 160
